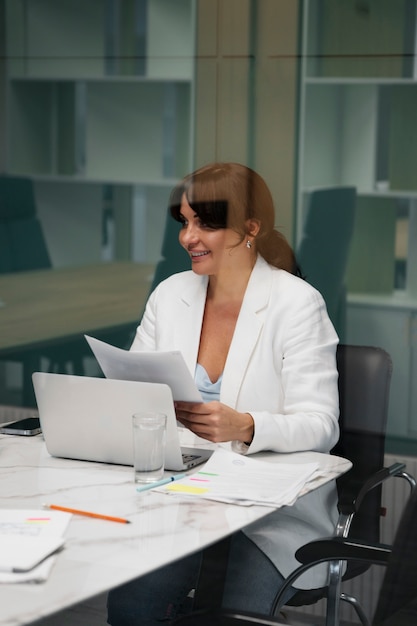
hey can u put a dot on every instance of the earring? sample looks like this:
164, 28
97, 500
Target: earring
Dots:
249, 244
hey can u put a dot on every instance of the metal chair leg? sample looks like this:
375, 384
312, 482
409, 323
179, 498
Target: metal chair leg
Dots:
333, 593
358, 609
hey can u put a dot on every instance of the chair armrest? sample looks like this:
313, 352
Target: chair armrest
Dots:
332, 549
338, 548
355, 491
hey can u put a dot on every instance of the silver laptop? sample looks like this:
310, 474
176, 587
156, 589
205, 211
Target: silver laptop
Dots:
90, 419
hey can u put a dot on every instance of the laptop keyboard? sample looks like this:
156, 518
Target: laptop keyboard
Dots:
187, 458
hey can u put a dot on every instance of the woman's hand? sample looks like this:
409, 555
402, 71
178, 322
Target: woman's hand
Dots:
215, 421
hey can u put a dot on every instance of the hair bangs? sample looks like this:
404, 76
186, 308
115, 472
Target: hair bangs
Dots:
204, 197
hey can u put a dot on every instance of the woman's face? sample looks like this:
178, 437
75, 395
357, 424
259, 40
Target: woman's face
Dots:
211, 250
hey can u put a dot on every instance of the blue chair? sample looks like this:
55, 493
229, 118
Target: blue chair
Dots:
23, 248
5, 252
323, 251
174, 258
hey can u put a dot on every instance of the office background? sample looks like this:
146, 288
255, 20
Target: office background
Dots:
105, 104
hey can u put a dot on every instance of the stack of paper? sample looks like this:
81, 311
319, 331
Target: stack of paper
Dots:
233, 478
28, 541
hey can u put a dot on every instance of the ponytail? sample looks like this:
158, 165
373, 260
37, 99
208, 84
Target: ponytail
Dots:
276, 251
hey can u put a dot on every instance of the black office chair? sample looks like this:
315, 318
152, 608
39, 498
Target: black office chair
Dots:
364, 380
397, 601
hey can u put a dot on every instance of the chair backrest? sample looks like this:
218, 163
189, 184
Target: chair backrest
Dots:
17, 199
6, 264
364, 382
323, 251
397, 602
174, 258
23, 245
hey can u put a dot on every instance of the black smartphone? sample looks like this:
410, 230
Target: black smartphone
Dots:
28, 427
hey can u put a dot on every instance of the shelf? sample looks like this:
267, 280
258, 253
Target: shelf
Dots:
358, 102
396, 300
149, 136
97, 79
123, 131
366, 133
167, 183
100, 91
153, 38
371, 80
389, 193
373, 38
357, 127
99, 104
376, 193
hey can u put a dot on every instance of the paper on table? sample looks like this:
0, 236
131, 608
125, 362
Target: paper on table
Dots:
19, 554
27, 537
147, 367
233, 478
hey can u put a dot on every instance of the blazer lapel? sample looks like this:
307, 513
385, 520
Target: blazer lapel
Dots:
248, 328
189, 319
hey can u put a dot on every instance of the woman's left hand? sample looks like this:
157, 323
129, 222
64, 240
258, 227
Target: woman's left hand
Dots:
215, 421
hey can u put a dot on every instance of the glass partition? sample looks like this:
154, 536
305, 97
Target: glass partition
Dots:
108, 103
358, 98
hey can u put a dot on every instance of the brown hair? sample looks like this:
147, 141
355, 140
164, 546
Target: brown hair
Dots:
226, 195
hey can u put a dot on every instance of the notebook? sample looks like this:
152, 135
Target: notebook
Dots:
90, 419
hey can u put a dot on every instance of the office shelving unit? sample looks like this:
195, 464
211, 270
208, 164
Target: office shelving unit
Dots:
357, 126
100, 110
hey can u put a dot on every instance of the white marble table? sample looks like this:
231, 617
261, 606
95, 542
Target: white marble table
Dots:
99, 555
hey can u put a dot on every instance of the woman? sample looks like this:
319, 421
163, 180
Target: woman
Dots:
262, 349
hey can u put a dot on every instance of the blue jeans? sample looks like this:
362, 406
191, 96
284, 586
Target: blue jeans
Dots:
252, 582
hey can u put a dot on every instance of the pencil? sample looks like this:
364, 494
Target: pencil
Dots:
109, 518
159, 483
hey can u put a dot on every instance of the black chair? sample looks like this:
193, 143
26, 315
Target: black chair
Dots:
397, 601
364, 380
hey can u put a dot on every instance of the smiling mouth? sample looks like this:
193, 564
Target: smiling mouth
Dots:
195, 255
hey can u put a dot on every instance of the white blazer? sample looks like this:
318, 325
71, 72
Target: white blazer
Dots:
281, 368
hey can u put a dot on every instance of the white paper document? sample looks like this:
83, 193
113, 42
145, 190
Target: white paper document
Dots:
147, 367
231, 477
21, 554
28, 541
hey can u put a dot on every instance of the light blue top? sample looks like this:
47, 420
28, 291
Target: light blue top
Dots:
209, 391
